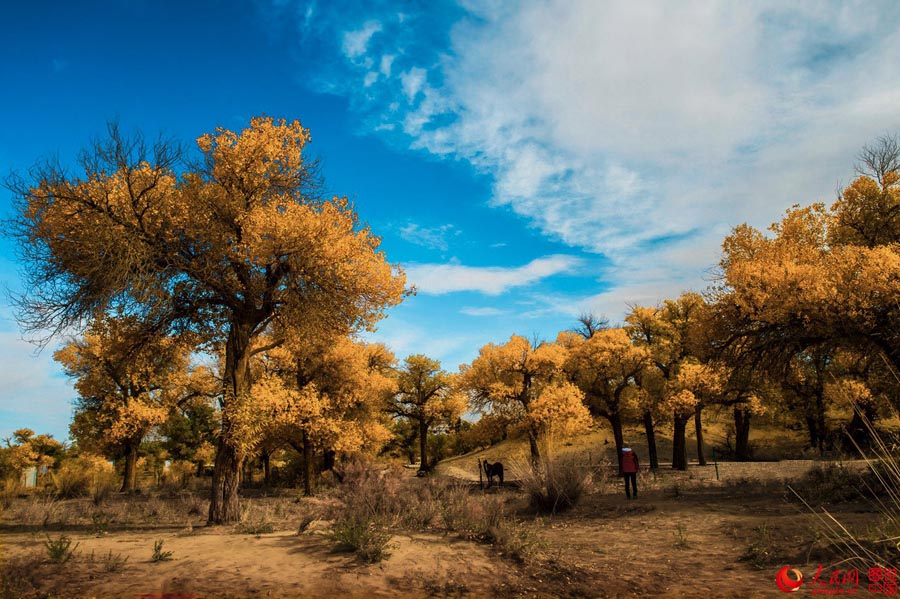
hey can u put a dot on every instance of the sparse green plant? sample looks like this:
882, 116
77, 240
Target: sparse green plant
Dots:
158, 554
681, 539
113, 562
60, 550
762, 551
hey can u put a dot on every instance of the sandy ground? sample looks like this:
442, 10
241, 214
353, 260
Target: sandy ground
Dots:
671, 542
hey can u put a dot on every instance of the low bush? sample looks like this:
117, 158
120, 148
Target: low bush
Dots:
20, 576
158, 554
84, 475
556, 486
365, 536
255, 521
60, 550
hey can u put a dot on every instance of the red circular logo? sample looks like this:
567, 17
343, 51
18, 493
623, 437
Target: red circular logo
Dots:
785, 582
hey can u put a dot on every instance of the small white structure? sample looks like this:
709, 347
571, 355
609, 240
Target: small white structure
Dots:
29, 478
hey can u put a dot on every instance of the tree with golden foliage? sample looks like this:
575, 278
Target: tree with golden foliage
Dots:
427, 396
228, 245
322, 396
606, 367
823, 276
27, 450
125, 390
671, 334
527, 382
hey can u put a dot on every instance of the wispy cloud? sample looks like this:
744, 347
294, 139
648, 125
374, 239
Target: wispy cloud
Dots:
435, 238
640, 131
438, 279
469, 311
356, 43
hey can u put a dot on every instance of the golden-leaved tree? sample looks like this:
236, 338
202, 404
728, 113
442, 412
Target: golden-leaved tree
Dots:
671, 334
227, 245
822, 275
126, 389
427, 396
527, 383
606, 366
322, 396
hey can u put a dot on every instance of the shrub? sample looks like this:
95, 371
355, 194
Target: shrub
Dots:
114, 562
473, 515
255, 522
877, 546
40, 511
20, 576
81, 476
557, 486
363, 535
372, 492
178, 475
103, 484
830, 482
158, 554
60, 550
519, 543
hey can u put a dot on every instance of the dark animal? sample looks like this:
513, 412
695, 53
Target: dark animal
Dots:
492, 470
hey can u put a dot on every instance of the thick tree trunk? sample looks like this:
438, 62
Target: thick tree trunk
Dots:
129, 481
328, 458
742, 434
267, 469
813, 431
615, 421
224, 503
651, 440
820, 420
679, 447
698, 425
536, 457
423, 446
307, 465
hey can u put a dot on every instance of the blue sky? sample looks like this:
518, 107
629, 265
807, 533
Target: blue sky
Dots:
524, 161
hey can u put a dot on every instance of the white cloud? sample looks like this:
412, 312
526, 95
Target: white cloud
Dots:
34, 395
469, 311
640, 131
438, 279
435, 238
386, 61
356, 43
412, 82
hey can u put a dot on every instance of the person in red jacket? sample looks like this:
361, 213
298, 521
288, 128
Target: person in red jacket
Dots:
630, 467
